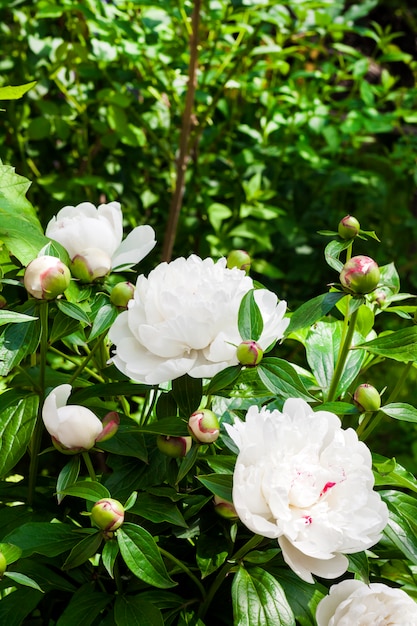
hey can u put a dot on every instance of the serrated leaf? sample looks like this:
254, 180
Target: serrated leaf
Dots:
22, 579
250, 322
89, 490
135, 611
281, 378
84, 606
16, 427
141, 555
219, 484
400, 411
400, 345
313, 310
12, 317
83, 551
259, 599
15, 92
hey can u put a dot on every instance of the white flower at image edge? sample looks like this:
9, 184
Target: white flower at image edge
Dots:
71, 425
300, 478
96, 233
184, 320
352, 602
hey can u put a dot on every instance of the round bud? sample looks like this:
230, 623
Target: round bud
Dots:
108, 514
3, 564
360, 274
203, 425
46, 277
175, 447
90, 264
348, 227
121, 294
224, 508
240, 259
249, 353
3, 302
367, 398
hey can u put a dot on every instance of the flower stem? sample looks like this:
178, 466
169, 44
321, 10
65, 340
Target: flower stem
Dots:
249, 545
184, 568
89, 356
36, 441
341, 359
89, 466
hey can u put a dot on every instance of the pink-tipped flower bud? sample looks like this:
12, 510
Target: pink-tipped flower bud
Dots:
224, 508
360, 275
90, 264
367, 398
240, 259
46, 277
203, 425
249, 353
3, 564
175, 447
121, 294
110, 425
348, 227
3, 302
108, 514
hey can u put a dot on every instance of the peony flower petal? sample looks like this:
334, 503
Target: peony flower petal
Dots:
304, 566
139, 242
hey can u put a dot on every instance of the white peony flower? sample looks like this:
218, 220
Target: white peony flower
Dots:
93, 238
184, 320
301, 478
74, 427
353, 602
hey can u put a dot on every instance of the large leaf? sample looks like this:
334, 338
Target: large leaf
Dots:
126, 442
43, 538
219, 484
170, 426
250, 320
16, 342
83, 551
22, 579
187, 392
400, 533
7, 317
302, 597
400, 345
18, 418
333, 250
135, 611
15, 92
68, 476
157, 509
259, 599
313, 310
140, 553
224, 379
389, 472
400, 411
85, 605
89, 490
103, 315
280, 377
17, 605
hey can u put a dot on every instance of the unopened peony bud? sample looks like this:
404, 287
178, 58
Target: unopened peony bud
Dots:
121, 294
3, 564
108, 514
224, 508
367, 398
175, 447
46, 277
110, 425
378, 297
360, 274
240, 259
348, 227
203, 425
249, 353
90, 264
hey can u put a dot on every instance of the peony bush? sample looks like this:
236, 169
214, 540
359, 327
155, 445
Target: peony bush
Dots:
183, 448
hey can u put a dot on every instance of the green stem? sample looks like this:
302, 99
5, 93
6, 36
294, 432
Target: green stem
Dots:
76, 362
184, 568
372, 420
249, 545
341, 360
35, 444
87, 358
89, 466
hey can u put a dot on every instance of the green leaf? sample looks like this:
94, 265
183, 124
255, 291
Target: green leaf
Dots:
89, 490
67, 476
16, 92
389, 472
172, 426
224, 379
303, 597
339, 408
141, 555
104, 314
250, 322
12, 317
313, 310
16, 342
359, 565
22, 579
18, 418
400, 345
10, 552
109, 555
219, 484
187, 463
333, 250
62, 326
187, 392
84, 607
400, 533
17, 605
400, 411
157, 510
47, 578
211, 553
109, 390
280, 377
83, 551
43, 538
73, 310
135, 611
127, 443
259, 599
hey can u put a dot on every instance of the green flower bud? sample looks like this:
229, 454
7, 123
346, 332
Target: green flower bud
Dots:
348, 227
121, 294
46, 277
240, 259
90, 264
360, 275
367, 398
249, 353
108, 514
175, 447
3, 564
224, 508
203, 425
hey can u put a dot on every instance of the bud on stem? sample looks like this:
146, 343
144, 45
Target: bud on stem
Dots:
175, 447
367, 398
108, 514
203, 425
249, 353
360, 275
348, 227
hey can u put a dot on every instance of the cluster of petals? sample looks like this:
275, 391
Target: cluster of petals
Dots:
354, 602
184, 320
301, 478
